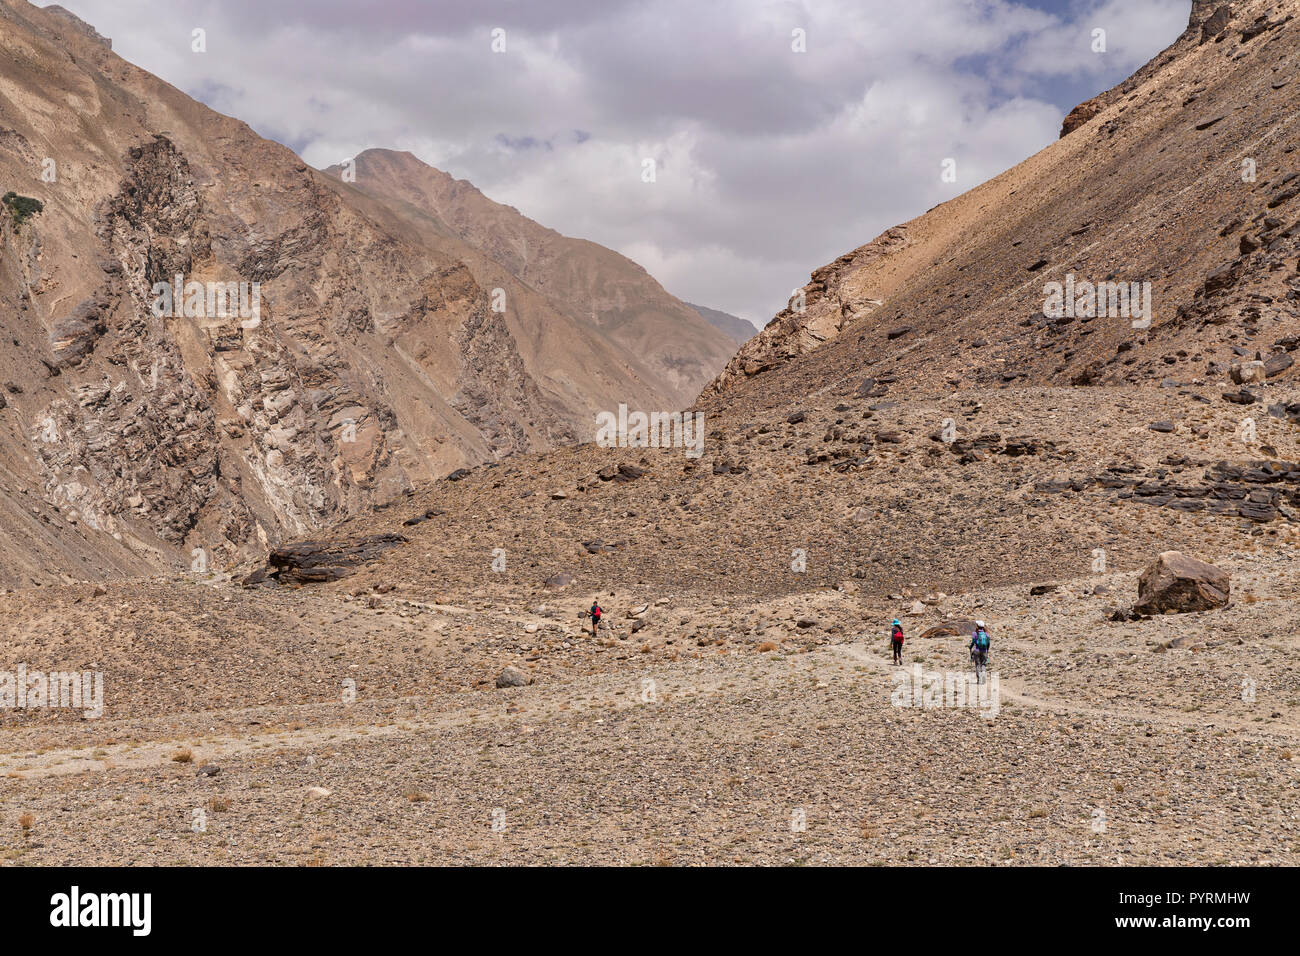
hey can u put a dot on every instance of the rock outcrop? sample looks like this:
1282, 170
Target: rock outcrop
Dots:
319, 561
1080, 115
817, 313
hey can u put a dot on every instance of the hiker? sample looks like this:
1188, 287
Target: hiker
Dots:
979, 643
896, 638
595, 613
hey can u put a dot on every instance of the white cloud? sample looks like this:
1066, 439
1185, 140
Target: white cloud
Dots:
771, 162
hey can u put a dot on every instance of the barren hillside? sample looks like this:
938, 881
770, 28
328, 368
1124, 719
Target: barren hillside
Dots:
1183, 177
378, 358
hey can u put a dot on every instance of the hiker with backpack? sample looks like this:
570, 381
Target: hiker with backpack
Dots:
979, 644
896, 639
595, 614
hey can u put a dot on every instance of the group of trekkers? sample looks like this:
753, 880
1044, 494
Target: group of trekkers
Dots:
979, 643
979, 639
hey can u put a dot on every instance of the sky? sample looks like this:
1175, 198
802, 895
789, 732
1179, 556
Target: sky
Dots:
783, 133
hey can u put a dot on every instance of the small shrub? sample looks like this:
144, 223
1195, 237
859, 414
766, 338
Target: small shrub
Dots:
21, 208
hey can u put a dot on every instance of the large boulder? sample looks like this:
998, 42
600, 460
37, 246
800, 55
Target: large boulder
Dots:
1275, 365
513, 677
953, 628
1176, 583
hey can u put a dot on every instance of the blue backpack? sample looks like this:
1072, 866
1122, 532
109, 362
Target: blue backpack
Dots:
982, 639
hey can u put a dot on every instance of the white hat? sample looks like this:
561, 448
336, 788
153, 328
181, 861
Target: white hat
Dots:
979, 623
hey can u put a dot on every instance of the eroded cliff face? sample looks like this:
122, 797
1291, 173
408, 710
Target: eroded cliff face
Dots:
320, 356
139, 437
192, 428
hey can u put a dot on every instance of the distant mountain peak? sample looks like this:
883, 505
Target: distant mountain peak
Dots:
662, 339
734, 327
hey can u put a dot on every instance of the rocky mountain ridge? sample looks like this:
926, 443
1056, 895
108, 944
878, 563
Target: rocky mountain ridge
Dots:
607, 296
141, 434
959, 295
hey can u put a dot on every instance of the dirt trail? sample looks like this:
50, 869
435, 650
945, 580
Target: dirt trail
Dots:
1014, 691
537, 704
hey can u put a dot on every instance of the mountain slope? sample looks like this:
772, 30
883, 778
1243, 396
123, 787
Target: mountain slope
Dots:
609, 296
375, 360
1152, 188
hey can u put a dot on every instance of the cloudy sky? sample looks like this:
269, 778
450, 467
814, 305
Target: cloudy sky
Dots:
769, 161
